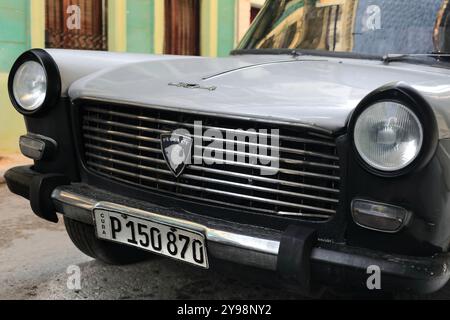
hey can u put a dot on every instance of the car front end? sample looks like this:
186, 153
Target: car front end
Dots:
321, 167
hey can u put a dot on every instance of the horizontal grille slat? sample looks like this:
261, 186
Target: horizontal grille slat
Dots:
227, 204
282, 170
123, 143
144, 129
175, 123
291, 161
120, 134
231, 163
264, 179
214, 181
199, 168
236, 195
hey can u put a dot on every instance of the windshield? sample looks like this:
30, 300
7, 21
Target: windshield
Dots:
369, 27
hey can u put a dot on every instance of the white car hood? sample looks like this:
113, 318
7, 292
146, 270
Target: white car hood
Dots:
321, 91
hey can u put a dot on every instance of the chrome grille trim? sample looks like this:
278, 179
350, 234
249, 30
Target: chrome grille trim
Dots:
121, 134
155, 120
259, 167
122, 143
314, 130
237, 195
139, 128
231, 163
199, 168
214, 181
308, 163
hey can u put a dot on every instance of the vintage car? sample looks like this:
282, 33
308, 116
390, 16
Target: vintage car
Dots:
319, 149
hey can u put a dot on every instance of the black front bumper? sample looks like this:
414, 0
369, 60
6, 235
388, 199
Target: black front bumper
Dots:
295, 253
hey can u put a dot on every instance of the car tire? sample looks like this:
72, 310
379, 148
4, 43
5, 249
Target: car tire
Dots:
83, 237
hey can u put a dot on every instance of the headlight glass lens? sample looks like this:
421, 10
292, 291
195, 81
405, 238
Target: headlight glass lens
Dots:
30, 85
388, 136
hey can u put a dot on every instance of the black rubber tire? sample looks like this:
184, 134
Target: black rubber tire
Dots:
83, 237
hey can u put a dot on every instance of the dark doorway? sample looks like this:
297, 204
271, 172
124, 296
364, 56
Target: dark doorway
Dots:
76, 24
253, 13
182, 27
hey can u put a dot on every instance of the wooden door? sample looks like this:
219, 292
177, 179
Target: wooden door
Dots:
182, 27
76, 24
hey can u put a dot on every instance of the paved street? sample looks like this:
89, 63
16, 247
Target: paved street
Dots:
35, 255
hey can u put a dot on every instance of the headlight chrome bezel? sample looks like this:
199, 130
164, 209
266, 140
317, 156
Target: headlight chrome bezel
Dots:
402, 94
371, 161
53, 90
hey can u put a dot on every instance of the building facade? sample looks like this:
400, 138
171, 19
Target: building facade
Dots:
209, 28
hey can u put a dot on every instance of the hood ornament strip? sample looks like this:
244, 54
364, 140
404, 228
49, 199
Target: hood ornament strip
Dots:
258, 65
192, 86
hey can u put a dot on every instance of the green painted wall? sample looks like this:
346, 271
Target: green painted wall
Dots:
140, 26
227, 27
14, 31
11, 122
15, 38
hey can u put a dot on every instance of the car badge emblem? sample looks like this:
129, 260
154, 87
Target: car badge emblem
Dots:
191, 86
176, 149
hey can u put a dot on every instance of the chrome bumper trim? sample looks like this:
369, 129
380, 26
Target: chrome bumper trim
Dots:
255, 246
258, 247
250, 250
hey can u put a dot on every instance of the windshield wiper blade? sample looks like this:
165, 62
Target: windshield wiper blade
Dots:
392, 57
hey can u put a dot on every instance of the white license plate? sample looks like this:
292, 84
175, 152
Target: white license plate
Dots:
165, 240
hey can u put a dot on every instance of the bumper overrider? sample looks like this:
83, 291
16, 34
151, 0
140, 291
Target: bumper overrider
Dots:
296, 253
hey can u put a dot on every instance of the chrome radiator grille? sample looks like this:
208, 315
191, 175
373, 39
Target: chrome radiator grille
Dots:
123, 144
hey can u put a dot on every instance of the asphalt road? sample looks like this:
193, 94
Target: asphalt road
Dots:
35, 257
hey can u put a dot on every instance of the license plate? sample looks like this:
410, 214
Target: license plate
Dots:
166, 240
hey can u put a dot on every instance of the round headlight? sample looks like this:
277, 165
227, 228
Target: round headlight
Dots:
388, 136
30, 85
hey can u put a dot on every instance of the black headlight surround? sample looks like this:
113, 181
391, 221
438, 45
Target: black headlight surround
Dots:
53, 93
409, 97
